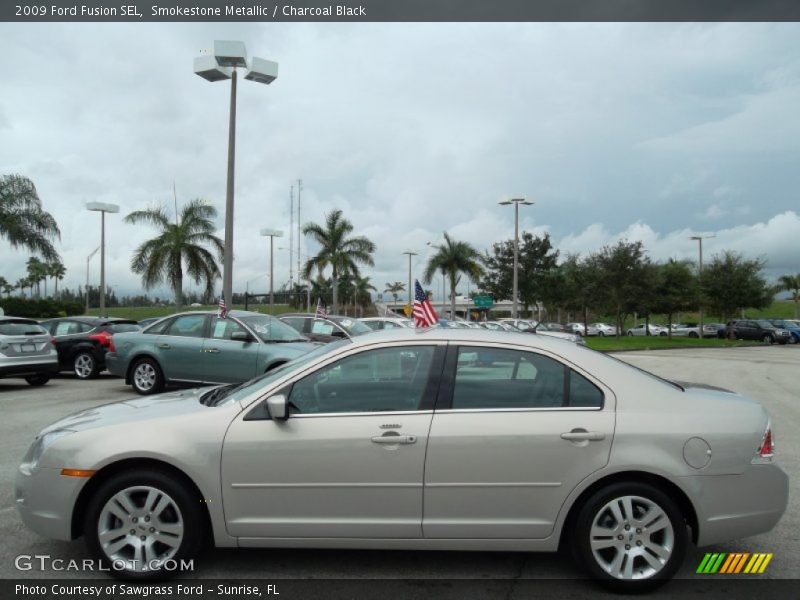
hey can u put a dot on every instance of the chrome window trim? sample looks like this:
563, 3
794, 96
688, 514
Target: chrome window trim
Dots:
532, 409
361, 414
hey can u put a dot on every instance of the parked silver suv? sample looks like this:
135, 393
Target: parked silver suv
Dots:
26, 350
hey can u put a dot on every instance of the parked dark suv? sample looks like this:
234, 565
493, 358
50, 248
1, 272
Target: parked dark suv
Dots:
82, 342
760, 329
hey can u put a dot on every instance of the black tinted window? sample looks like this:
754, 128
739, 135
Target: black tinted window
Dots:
123, 327
389, 379
500, 378
583, 393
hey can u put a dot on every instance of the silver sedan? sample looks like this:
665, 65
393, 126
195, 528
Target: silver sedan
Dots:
448, 439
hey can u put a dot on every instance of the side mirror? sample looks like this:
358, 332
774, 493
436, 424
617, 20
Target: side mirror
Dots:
277, 407
241, 336
338, 333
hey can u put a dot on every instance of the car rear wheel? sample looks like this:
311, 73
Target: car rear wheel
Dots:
146, 377
663, 334
38, 379
767, 338
600, 333
692, 334
85, 366
141, 524
630, 333
631, 537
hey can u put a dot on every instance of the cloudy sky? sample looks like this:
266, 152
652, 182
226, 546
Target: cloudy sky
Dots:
639, 131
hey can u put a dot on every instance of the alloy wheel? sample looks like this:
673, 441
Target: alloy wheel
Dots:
144, 376
84, 366
140, 527
632, 538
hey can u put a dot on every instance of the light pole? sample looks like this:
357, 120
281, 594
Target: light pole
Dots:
444, 300
217, 67
700, 239
88, 258
272, 234
516, 202
102, 208
410, 292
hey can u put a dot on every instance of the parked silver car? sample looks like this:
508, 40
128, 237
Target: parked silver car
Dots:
510, 441
641, 329
26, 350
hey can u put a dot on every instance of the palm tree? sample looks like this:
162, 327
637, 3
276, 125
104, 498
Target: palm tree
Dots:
394, 289
453, 258
22, 221
361, 289
343, 254
37, 270
791, 283
7, 288
178, 245
56, 270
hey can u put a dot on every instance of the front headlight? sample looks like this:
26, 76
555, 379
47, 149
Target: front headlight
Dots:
41, 444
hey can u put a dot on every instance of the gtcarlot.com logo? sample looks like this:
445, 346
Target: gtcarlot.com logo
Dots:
734, 563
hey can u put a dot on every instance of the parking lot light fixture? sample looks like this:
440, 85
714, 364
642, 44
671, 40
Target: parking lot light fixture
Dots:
410, 289
699, 239
516, 202
227, 57
102, 208
272, 234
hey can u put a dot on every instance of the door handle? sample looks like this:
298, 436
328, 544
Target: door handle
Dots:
211, 350
165, 346
394, 439
580, 435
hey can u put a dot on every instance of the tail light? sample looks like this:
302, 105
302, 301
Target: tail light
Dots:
105, 339
53, 340
766, 450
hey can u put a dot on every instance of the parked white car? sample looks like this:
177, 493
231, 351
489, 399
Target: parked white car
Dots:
654, 330
378, 323
602, 329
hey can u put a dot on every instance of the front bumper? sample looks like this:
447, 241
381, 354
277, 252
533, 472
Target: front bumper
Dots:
45, 500
114, 365
730, 507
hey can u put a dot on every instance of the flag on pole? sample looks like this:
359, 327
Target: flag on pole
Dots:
321, 312
223, 308
424, 314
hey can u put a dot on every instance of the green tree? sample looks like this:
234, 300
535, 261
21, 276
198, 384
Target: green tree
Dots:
361, 291
537, 259
56, 270
5, 286
577, 278
622, 273
343, 254
731, 283
21, 284
180, 245
676, 289
454, 258
22, 221
37, 271
394, 289
791, 283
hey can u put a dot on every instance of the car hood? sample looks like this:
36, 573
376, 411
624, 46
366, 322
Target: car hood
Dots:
134, 409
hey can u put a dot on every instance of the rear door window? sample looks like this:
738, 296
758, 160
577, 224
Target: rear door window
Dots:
187, 326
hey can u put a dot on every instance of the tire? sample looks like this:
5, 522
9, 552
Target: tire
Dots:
160, 511
692, 334
653, 557
600, 334
767, 338
85, 366
630, 333
146, 377
663, 334
38, 379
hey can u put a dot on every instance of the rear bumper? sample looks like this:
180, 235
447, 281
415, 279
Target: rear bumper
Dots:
114, 365
21, 366
730, 507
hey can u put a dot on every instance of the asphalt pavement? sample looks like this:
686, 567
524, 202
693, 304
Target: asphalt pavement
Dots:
768, 374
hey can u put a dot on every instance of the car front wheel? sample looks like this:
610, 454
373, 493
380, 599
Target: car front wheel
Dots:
146, 377
85, 366
767, 338
141, 524
631, 537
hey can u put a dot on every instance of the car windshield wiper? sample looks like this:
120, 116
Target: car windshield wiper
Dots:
216, 395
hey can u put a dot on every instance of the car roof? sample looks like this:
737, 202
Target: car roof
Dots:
92, 320
12, 318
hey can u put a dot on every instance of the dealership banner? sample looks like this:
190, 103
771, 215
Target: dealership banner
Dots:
399, 10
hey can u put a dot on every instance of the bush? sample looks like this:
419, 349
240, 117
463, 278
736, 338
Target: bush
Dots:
44, 308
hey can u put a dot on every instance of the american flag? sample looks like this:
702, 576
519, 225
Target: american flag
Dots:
424, 314
223, 308
321, 312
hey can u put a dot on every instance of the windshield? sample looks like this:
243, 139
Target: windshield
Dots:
236, 393
351, 326
270, 329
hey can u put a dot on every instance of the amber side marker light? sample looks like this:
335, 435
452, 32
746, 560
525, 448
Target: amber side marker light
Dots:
77, 472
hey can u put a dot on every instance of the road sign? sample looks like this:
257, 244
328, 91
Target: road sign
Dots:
483, 301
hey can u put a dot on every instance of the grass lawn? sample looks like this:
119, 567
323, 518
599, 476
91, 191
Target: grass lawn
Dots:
610, 343
143, 312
